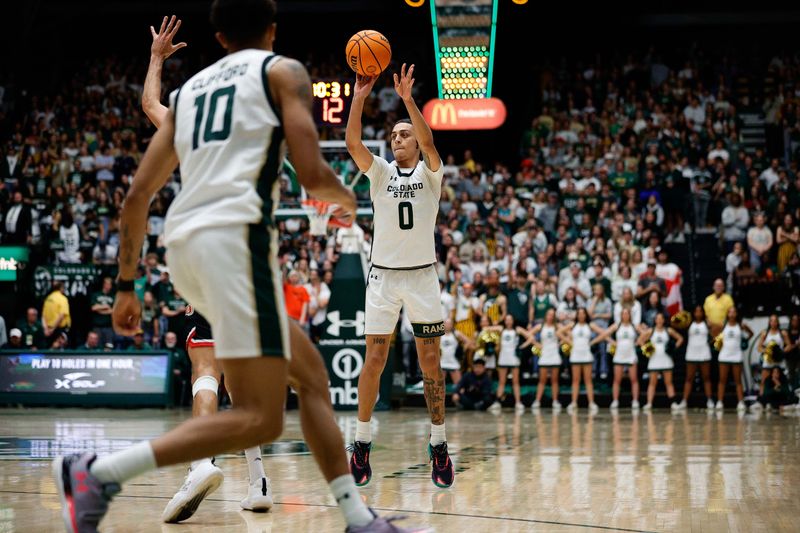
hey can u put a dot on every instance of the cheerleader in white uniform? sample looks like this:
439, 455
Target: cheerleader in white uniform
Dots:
698, 356
509, 360
550, 358
579, 335
626, 337
661, 362
448, 345
731, 357
775, 334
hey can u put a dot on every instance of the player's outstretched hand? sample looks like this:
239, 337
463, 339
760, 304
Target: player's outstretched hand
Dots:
405, 82
162, 41
127, 313
346, 210
363, 86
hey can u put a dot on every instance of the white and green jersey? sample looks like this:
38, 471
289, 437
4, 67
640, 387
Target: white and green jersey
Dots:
229, 140
405, 202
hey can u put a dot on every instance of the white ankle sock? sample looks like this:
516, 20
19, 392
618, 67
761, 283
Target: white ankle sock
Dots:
254, 463
355, 511
437, 434
364, 431
124, 465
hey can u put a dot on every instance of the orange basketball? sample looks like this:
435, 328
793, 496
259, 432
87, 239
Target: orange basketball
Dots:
368, 52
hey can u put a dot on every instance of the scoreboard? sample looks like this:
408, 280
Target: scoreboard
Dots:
332, 99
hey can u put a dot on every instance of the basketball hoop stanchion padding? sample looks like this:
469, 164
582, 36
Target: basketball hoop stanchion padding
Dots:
343, 345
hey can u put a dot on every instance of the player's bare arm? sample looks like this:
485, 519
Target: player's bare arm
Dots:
358, 151
160, 50
156, 166
291, 88
403, 84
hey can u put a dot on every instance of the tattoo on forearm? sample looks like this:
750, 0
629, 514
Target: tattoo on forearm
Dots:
126, 248
302, 82
434, 396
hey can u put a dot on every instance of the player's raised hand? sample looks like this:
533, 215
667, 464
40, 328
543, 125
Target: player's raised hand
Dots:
363, 86
127, 313
162, 41
405, 82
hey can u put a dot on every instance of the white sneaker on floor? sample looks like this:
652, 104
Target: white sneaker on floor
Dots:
647, 407
495, 407
674, 407
741, 406
709, 404
681, 405
556, 405
259, 496
756, 408
519, 408
535, 406
571, 408
635, 404
614, 405
679, 238
719, 405
201, 481
593, 408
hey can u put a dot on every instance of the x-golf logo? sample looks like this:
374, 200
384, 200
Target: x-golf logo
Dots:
76, 380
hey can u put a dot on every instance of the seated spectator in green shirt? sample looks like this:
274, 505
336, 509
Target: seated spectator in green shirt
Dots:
138, 343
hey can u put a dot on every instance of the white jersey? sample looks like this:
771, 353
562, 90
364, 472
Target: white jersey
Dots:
731, 351
405, 203
660, 360
549, 341
448, 346
697, 349
229, 141
581, 352
626, 345
508, 348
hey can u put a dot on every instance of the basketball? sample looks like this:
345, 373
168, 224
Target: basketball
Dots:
368, 52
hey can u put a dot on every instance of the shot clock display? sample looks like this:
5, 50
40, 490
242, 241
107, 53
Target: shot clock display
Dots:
332, 102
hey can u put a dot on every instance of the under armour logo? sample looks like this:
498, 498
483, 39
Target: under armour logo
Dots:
337, 323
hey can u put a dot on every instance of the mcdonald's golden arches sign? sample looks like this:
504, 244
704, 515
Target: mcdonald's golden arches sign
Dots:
474, 114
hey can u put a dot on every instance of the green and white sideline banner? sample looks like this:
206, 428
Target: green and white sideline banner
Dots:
77, 279
343, 345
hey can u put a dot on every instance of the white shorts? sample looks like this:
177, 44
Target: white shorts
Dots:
230, 274
417, 290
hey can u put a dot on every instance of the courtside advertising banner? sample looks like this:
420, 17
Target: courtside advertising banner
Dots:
84, 378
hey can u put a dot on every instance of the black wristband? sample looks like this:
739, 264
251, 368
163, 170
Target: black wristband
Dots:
124, 285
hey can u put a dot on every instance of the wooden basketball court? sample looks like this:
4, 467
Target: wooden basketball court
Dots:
661, 472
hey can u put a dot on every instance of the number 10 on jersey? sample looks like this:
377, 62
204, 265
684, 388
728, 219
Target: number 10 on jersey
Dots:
210, 114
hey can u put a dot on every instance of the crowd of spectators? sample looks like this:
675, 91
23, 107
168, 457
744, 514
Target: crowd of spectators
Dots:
621, 159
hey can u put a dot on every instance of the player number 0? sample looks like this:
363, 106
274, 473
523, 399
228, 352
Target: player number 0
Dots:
406, 213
